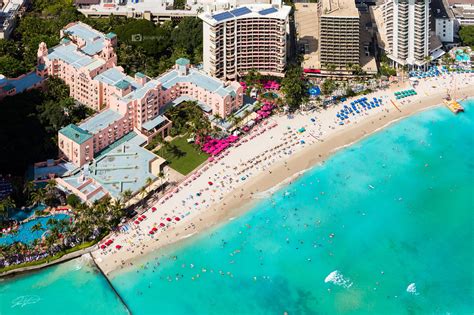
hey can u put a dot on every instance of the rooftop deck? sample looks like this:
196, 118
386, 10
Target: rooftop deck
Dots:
25, 82
75, 133
248, 11
93, 38
197, 78
100, 121
127, 166
70, 55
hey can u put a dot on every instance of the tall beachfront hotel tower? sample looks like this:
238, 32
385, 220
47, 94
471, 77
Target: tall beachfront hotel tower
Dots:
338, 33
405, 31
245, 38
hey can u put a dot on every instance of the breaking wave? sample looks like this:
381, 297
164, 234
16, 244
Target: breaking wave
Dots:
412, 289
338, 279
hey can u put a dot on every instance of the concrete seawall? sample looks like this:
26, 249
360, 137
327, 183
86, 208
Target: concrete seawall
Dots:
64, 258
110, 284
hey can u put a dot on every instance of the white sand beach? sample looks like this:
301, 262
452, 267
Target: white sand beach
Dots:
273, 153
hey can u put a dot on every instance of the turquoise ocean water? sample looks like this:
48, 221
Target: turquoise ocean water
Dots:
392, 212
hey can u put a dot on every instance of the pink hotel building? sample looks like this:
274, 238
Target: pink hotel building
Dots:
86, 61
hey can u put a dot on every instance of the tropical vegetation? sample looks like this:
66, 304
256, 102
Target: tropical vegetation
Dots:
188, 118
30, 122
466, 34
142, 45
89, 224
295, 88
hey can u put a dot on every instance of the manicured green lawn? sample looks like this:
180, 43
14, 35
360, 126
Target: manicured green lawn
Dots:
188, 161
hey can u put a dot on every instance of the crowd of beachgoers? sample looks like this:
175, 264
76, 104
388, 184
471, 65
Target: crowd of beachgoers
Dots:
273, 142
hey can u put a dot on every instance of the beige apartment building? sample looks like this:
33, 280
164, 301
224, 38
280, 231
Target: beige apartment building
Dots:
339, 36
245, 38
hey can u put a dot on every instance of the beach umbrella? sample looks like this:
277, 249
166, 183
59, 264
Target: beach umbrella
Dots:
177, 219
162, 224
168, 219
210, 183
118, 246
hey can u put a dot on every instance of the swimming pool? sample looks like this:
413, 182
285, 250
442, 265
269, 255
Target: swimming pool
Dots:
23, 214
462, 56
25, 235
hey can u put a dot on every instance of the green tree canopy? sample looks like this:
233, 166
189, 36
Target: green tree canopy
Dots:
466, 34
294, 88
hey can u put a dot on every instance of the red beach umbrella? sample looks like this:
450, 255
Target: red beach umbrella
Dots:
177, 219
168, 219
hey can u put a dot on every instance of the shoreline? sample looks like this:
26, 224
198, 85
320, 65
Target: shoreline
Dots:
266, 182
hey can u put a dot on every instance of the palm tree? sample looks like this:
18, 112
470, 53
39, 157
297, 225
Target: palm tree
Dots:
116, 209
38, 196
143, 192
126, 195
51, 240
51, 222
28, 188
148, 181
37, 227
50, 189
62, 225
161, 176
6, 204
218, 117
331, 67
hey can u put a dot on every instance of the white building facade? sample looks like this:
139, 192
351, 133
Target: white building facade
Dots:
444, 28
245, 38
407, 31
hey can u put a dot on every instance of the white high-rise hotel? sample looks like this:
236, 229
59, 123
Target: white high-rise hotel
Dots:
406, 31
245, 38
